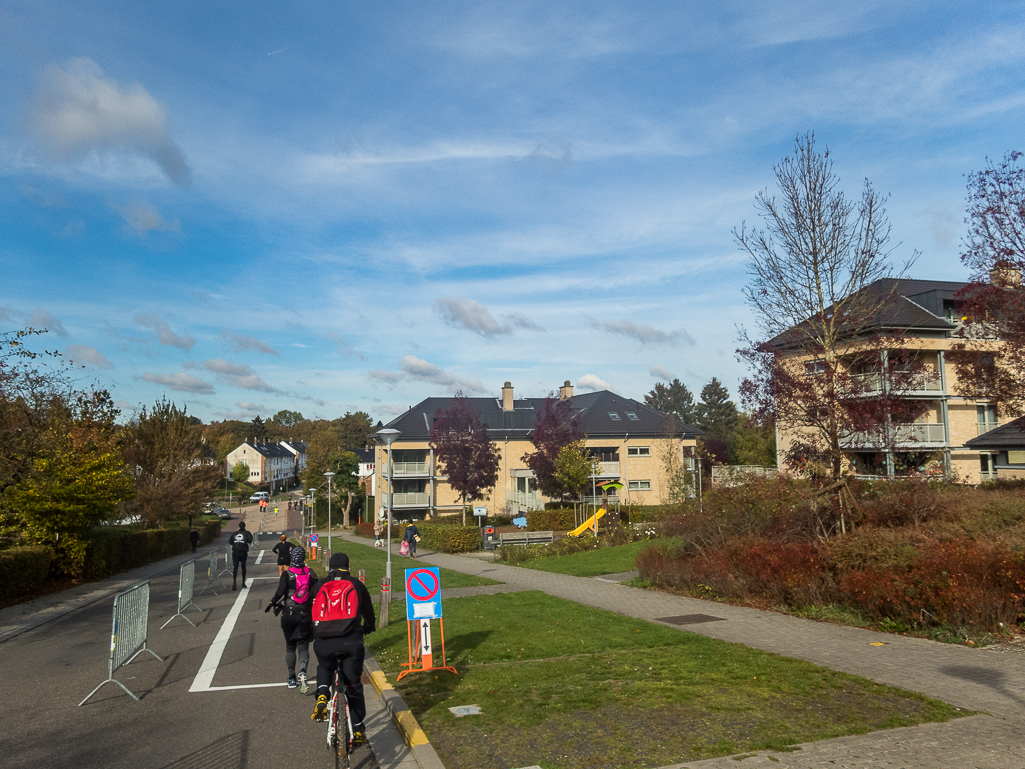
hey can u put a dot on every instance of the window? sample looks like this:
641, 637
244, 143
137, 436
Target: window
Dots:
638, 451
639, 485
632, 416
815, 367
614, 416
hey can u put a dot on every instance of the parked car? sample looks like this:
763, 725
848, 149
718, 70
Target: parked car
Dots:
258, 496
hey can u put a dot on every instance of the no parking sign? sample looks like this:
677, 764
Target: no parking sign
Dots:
423, 593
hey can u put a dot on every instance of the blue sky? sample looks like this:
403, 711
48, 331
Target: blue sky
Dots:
339, 206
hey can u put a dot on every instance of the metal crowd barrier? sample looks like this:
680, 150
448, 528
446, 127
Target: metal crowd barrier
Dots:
227, 562
128, 633
212, 576
186, 583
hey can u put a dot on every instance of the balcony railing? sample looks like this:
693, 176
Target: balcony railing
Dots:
530, 500
411, 499
985, 427
918, 434
928, 383
608, 470
408, 468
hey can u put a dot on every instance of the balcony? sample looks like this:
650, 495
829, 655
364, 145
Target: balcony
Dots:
920, 384
917, 435
608, 470
409, 468
525, 500
411, 499
985, 427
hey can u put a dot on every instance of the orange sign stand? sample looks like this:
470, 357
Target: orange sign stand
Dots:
421, 648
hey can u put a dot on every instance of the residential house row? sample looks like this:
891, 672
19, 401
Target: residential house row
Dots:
270, 464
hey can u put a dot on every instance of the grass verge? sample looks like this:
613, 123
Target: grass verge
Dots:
590, 563
563, 685
374, 559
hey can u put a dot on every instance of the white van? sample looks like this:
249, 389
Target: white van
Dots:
259, 496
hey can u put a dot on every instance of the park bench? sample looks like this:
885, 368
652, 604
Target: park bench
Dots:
526, 538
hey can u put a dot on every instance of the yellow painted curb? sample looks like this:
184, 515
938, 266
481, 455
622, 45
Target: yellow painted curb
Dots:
379, 681
408, 726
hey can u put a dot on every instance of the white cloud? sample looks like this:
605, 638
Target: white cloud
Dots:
181, 382
245, 343
417, 368
520, 320
142, 217
643, 333
90, 356
78, 110
239, 375
593, 383
45, 319
344, 348
661, 372
466, 313
164, 333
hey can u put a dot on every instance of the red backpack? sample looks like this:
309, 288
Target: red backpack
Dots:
335, 608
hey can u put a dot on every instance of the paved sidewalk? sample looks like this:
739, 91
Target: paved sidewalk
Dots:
971, 679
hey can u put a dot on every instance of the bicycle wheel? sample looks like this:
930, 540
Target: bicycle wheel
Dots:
342, 736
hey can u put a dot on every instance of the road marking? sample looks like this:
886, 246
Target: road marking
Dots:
205, 677
260, 557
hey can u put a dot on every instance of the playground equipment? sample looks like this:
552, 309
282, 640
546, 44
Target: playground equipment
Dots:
591, 523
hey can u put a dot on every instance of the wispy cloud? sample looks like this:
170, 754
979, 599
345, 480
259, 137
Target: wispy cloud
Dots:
89, 356
78, 110
180, 382
467, 314
661, 372
343, 347
239, 375
594, 383
45, 319
417, 369
643, 333
141, 217
242, 343
164, 333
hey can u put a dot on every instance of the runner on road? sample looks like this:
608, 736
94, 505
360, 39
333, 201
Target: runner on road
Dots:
282, 550
240, 542
297, 586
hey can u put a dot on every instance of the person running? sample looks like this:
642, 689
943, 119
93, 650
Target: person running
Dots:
412, 536
240, 542
282, 551
297, 587
343, 613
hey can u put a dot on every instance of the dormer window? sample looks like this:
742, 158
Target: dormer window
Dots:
614, 416
632, 416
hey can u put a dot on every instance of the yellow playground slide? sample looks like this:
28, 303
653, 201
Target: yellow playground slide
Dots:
588, 524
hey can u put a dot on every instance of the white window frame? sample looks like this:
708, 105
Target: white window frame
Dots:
638, 451
636, 486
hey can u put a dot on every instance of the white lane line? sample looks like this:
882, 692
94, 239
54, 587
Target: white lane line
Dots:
259, 557
205, 677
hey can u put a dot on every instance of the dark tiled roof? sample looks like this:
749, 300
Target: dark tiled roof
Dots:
1009, 436
299, 446
271, 449
912, 305
366, 456
594, 410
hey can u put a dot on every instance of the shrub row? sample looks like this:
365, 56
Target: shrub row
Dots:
554, 519
447, 538
114, 549
22, 569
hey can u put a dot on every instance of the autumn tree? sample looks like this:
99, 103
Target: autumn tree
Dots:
673, 398
574, 467
555, 427
325, 453
464, 451
174, 469
819, 292
240, 472
990, 355
354, 430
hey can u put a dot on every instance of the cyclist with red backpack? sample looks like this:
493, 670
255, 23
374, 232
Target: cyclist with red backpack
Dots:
343, 613
297, 586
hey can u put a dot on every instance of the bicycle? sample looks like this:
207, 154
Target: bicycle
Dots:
339, 723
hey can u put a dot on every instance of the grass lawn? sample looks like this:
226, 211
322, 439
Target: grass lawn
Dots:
567, 686
373, 560
591, 563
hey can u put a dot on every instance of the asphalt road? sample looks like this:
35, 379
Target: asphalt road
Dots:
241, 716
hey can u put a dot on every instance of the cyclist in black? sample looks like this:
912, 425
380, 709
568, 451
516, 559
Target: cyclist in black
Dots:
297, 586
240, 542
340, 645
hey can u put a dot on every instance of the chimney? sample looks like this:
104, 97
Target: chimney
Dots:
507, 397
566, 391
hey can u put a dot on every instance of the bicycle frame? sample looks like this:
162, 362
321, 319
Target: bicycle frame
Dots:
339, 732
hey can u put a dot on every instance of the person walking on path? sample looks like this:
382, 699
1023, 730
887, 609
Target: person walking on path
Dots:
412, 536
379, 530
343, 613
240, 542
282, 550
194, 539
297, 586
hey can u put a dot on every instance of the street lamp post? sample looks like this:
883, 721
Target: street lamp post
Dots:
387, 437
329, 475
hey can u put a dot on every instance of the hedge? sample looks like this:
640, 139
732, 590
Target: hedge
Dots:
113, 550
559, 519
22, 569
447, 538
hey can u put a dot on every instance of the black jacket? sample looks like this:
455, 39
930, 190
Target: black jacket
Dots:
283, 550
366, 622
411, 532
286, 589
240, 542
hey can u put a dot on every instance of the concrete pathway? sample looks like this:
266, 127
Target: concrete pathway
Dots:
972, 679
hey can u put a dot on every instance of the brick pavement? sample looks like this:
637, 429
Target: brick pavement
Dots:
972, 679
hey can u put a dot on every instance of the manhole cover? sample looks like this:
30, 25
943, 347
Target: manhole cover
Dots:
466, 710
689, 619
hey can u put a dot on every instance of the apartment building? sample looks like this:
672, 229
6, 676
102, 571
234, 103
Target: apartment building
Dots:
942, 438
627, 437
271, 464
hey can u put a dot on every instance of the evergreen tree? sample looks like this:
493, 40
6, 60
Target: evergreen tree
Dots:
673, 398
717, 415
259, 429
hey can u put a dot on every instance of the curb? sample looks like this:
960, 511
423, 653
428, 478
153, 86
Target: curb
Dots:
403, 718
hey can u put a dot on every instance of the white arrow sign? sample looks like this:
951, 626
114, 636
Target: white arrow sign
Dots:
425, 644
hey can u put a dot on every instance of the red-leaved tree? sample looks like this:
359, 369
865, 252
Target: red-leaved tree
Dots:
464, 452
990, 356
555, 427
